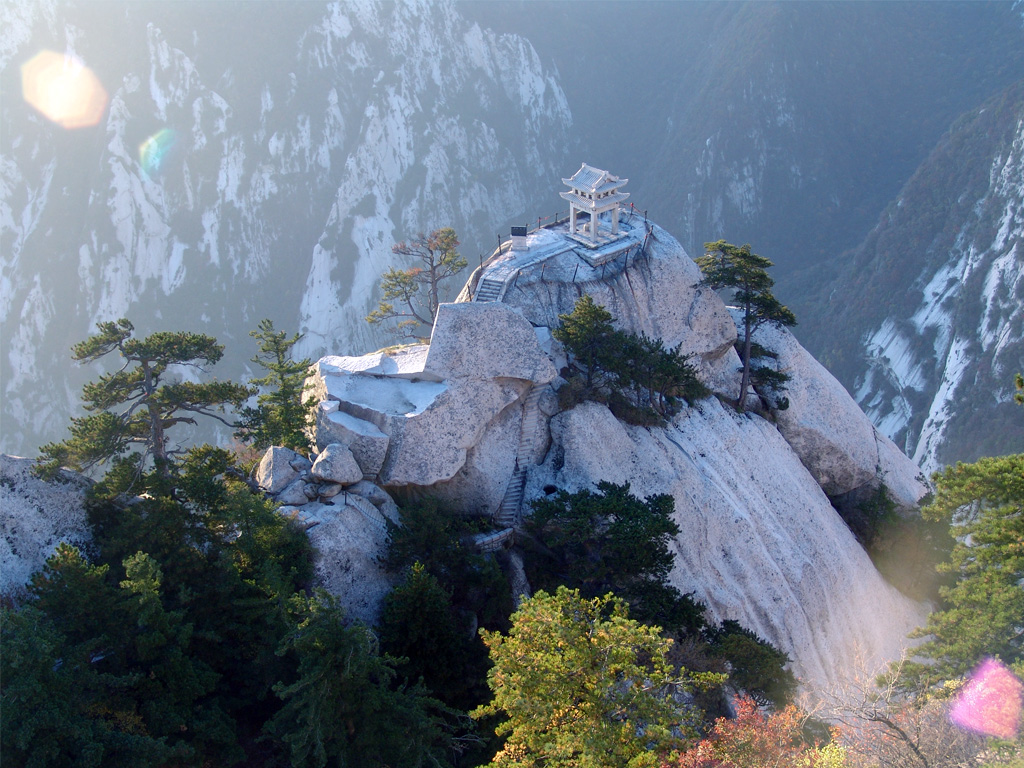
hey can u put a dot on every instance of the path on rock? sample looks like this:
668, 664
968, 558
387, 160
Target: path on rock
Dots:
509, 514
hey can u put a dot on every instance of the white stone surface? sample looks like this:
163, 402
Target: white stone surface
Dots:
275, 470
369, 445
432, 447
336, 464
759, 541
401, 361
36, 516
486, 341
830, 433
348, 551
384, 395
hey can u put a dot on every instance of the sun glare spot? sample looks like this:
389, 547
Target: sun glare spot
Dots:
63, 89
990, 703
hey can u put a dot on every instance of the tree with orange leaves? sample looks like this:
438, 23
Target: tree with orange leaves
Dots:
755, 739
435, 260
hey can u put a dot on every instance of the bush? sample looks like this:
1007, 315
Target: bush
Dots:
636, 376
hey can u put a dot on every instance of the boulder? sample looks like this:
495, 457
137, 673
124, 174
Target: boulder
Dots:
276, 468
329, 490
336, 464
486, 340
372, 493
759, 542
430, 447
833, 438
293, 494
300, 464
369, 445
479, 485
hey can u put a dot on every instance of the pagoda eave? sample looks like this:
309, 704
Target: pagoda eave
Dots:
587, 205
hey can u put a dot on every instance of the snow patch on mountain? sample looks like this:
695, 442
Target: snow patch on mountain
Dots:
970, 309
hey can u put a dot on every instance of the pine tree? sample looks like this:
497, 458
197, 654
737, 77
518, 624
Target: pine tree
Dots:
281, 415
435, 259
981, 611
728, 266
420, 627
135, 406
345, 708
590, 338
634, 375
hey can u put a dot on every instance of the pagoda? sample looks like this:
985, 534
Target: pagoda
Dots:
593, 191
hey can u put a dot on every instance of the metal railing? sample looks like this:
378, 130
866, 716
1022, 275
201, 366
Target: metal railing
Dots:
548, 222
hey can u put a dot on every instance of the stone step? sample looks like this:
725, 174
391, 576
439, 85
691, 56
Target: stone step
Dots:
367, 510
507, 515
488, 290
530, 427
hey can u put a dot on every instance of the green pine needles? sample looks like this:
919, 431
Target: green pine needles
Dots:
134, 407
728, 266
282, 414
636, 376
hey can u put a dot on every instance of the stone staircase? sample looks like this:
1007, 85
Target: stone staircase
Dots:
367, 510
489, 290
509, 513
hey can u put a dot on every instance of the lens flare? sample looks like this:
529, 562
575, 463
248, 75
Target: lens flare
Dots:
63, 89
991, 701
154, 150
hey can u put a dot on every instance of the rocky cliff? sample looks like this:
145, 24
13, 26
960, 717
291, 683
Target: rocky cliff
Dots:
473, 419
289, 145
924, 322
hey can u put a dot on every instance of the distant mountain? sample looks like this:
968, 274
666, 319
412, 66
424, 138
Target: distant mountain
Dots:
297, 142
302, 139
924, 322
788, 125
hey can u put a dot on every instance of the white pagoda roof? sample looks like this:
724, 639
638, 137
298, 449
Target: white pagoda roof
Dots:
593, 180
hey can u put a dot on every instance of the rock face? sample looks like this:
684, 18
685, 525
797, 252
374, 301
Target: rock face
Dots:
350, 536
35, 517
444, 416
652, 288
922, 322
473, 420
833, 438
759, 541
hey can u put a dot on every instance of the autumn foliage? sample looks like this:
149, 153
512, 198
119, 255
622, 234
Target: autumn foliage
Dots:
755, 739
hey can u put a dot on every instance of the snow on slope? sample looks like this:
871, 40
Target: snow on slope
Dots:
971, 308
